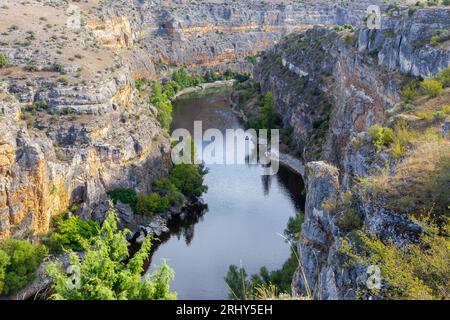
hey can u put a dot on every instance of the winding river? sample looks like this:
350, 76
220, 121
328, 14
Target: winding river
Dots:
246, 212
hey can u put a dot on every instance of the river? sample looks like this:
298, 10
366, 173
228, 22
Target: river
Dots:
246, 212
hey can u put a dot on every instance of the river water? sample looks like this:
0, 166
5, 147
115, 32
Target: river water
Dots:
246, 212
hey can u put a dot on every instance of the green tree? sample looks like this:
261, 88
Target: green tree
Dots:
108, 273
151, 204
188, 179
162, 103
19, 260
181, 77
269, 117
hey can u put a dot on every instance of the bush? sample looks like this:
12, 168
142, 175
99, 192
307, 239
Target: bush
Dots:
444, 77
152, 204
381, 137
165, 187
127, 196
72, 233
414, 271
188, 179
409, 93
19, 261
432, 87
107, 272
3, 60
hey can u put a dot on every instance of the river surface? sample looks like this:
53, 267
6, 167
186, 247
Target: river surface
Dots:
246, 212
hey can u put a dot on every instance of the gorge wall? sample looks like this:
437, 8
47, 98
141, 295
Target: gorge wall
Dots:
331, 86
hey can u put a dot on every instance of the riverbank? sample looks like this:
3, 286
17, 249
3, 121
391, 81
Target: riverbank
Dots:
285, 159
203, 86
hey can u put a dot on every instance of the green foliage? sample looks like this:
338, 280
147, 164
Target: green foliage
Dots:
108, 273
270, 119
413, 271
382, 138
182, 78
162, 103
188, 179
444, 77
294, 227
127, 196
3, 60
19, 260
165, 187
431, 87
140, 84
409, 93
435, 40
251, 59
72, 233
152, 204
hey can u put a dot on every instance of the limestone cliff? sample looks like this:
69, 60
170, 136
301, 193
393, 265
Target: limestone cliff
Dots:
331, 85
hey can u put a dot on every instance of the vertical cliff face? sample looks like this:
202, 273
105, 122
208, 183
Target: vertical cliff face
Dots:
331, 86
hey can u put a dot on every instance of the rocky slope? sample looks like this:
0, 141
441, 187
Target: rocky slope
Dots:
331, 86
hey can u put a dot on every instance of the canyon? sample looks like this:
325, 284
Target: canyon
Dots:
73, 125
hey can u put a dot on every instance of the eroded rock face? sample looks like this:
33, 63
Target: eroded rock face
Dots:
331, 86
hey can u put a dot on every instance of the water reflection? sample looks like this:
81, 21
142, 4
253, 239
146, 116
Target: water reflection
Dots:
245, 214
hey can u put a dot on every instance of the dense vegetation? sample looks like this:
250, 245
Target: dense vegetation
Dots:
243, 287
107, 272
19, 260
161, 94
185, 181
72, 233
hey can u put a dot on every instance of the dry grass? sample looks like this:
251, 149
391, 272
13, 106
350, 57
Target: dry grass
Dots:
420, 181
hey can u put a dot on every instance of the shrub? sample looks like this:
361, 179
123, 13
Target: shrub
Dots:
435, 40
152, 204
409, 93
381, 137
432, 87
413, 271
439, 115
127, 196
19, 261
72, 233
444, 77
165, 187
3, 60
188, 179
107, 272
